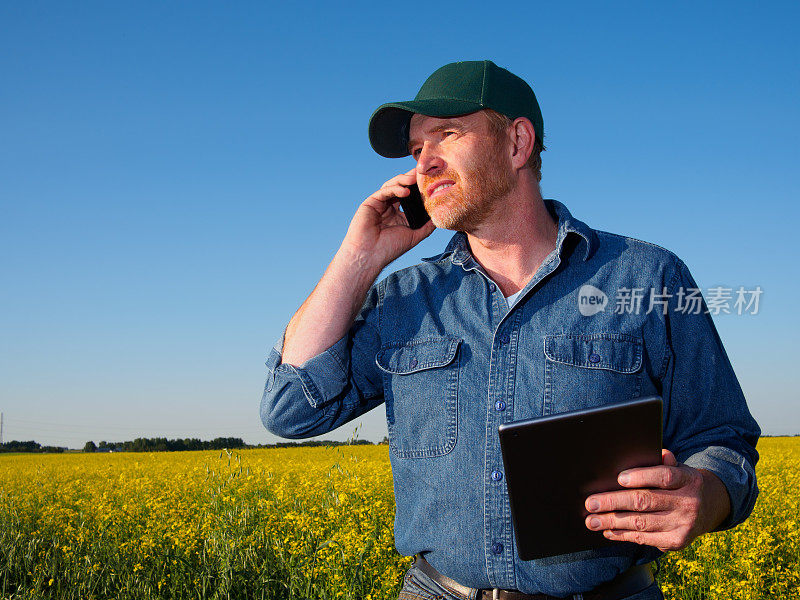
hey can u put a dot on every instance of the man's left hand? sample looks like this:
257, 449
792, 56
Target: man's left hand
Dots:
666, 506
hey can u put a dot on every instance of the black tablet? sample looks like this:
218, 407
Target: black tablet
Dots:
554, 463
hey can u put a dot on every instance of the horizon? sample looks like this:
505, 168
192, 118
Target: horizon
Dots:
316, 442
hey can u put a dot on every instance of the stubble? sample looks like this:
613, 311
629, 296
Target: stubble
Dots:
485, 180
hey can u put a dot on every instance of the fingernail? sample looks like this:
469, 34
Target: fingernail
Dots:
595, 523
624, 478
593, 504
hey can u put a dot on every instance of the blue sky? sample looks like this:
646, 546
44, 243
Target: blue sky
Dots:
175, 177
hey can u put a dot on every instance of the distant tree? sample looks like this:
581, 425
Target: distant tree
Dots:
226, 442
90, 446
15, 446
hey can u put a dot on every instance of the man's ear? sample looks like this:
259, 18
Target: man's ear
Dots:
522, 136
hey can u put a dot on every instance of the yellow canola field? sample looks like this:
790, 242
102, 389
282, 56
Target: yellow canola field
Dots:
296, 523
759, 559
273, 523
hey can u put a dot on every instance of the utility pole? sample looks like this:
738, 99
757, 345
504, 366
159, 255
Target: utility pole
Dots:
1, 429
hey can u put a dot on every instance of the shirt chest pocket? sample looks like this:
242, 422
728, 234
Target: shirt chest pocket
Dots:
582, 371
421, 392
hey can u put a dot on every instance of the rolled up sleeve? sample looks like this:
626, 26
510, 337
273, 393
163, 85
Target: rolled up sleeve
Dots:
738, 475
329, 389
707, 422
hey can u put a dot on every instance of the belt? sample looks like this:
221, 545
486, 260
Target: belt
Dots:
626, 584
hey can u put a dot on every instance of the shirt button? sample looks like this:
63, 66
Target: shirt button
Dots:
414, 362
497, 548
500, 405
496, 475
492, 287
594, 358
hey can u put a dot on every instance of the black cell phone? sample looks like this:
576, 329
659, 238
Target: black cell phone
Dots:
414, 208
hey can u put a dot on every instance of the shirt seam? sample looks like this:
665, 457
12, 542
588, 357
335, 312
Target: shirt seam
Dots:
338, 360
633, 239
667, 356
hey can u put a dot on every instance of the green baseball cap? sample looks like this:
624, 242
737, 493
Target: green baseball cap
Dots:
456, 89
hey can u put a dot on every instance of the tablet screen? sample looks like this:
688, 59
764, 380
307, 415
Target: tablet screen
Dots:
554, 463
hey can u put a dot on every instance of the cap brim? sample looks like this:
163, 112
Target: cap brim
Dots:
389, 124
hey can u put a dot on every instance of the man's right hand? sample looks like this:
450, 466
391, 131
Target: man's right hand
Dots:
379, 231
378, 234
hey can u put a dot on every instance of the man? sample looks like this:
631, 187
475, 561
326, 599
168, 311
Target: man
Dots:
491, 331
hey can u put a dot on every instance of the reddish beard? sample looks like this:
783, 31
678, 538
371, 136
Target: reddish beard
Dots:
486, 179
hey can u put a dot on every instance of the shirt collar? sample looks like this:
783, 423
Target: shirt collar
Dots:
567, 224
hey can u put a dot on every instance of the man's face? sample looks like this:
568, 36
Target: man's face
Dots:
462, 169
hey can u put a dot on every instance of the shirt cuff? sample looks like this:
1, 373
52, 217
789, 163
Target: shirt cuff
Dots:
736, 473
322, 377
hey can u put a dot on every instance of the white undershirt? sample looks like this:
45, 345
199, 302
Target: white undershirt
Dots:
512, 299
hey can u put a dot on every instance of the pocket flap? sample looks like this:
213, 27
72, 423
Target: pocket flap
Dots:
401, 358
611, 351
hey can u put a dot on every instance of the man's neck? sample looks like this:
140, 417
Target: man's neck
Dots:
515, 240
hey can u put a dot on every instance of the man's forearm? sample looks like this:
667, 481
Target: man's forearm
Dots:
377, 235
330, 310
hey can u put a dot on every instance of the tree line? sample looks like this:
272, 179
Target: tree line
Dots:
30, 446
176, 445
180, 445
160, 444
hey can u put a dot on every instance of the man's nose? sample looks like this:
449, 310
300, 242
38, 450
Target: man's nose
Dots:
429, 161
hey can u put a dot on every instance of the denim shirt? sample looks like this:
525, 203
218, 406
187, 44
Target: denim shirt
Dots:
439, 346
